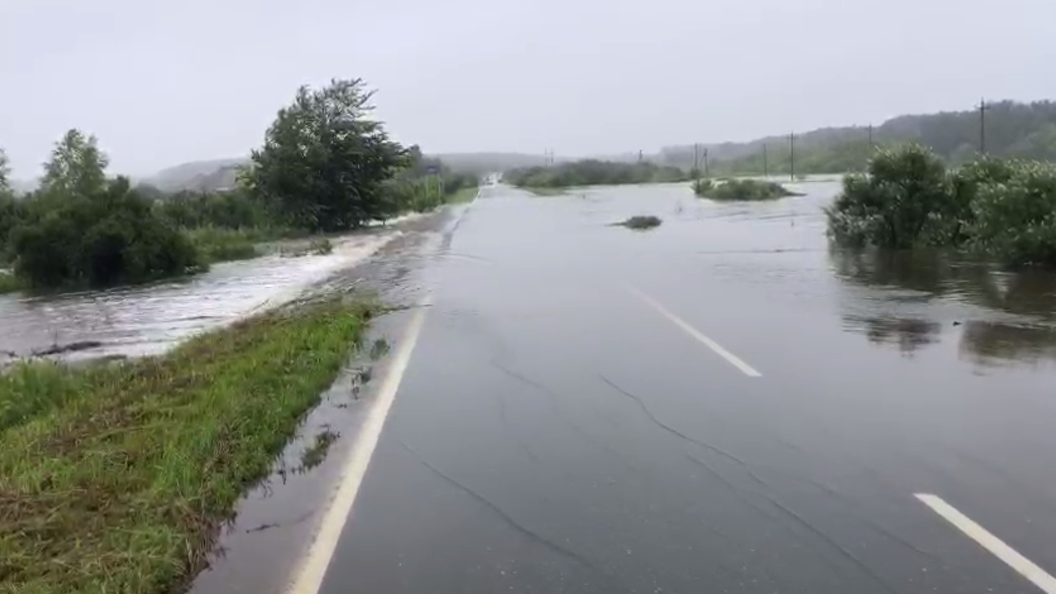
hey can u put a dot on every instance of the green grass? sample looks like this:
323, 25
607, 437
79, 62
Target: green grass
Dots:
538, 191
117, 478
216, 244
9, 283
463, 196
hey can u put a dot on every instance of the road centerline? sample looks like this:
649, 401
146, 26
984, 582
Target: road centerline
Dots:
1025, 567
696, 334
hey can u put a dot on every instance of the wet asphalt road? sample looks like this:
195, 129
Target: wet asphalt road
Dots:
556, 432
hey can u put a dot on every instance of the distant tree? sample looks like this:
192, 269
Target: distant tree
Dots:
324, 162
5, 173
77, 166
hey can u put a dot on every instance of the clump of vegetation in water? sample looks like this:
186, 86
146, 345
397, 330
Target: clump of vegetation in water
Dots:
1003, 209
159, 448
315, 454
640, 222
741, 189
591, 172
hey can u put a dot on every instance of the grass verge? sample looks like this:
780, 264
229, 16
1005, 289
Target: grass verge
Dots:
116, 478
9, 283
463, 196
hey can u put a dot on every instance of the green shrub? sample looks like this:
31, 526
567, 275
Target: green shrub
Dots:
107, 238
1014, 220
217, 244
1003, 209
742, 189
907, 198
640, 222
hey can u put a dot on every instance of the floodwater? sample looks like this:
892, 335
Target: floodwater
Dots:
147, 320
721, 404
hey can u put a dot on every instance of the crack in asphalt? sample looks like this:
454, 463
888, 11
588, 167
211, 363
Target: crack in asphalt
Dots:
510, 520
672, 430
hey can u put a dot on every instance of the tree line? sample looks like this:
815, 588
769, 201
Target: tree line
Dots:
325, 166
1005, 129
590, 172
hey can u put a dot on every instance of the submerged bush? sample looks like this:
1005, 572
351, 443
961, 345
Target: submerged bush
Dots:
742, 189
906, 198
1004, 209
1015, 220
640, 222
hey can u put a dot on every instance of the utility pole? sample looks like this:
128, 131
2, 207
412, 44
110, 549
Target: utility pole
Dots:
766, 167
706, 163
982, 126
792, 156
696, 165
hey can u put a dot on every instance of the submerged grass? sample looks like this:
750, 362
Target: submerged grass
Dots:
463, 196
315, 454
116, 478
9, 283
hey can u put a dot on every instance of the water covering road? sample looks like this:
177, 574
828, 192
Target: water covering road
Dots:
150, 319
721, 404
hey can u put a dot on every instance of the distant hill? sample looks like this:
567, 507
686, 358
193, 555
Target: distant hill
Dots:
204, 176
1012, 130
482, 163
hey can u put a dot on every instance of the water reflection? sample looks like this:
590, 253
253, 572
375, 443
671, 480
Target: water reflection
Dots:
908, 298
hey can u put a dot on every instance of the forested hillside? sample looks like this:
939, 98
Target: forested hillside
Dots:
1009, 129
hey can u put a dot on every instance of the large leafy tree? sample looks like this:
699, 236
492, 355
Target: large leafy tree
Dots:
325, 161
77, 167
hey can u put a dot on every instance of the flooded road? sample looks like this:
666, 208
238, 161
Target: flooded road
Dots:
722, 404
147, 320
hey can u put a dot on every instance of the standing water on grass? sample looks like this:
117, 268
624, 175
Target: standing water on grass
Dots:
149, 319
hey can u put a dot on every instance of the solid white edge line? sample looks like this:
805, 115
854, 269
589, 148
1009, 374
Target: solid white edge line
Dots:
711, 344
1038, 576
308, 576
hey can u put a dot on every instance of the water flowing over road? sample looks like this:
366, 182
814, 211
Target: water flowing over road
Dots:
722, 404
148, 320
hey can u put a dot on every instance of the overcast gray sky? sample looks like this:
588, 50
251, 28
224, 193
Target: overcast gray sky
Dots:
162, 82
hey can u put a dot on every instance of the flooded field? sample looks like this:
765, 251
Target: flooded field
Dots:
147, 320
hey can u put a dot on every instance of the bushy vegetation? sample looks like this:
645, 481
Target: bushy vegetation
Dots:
641, 222
325, 162
1004, 209
325, 166
83, 229
590, 172
741, 189
118, 478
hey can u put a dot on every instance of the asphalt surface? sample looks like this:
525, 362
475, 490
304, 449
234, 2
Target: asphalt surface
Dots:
721, 404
